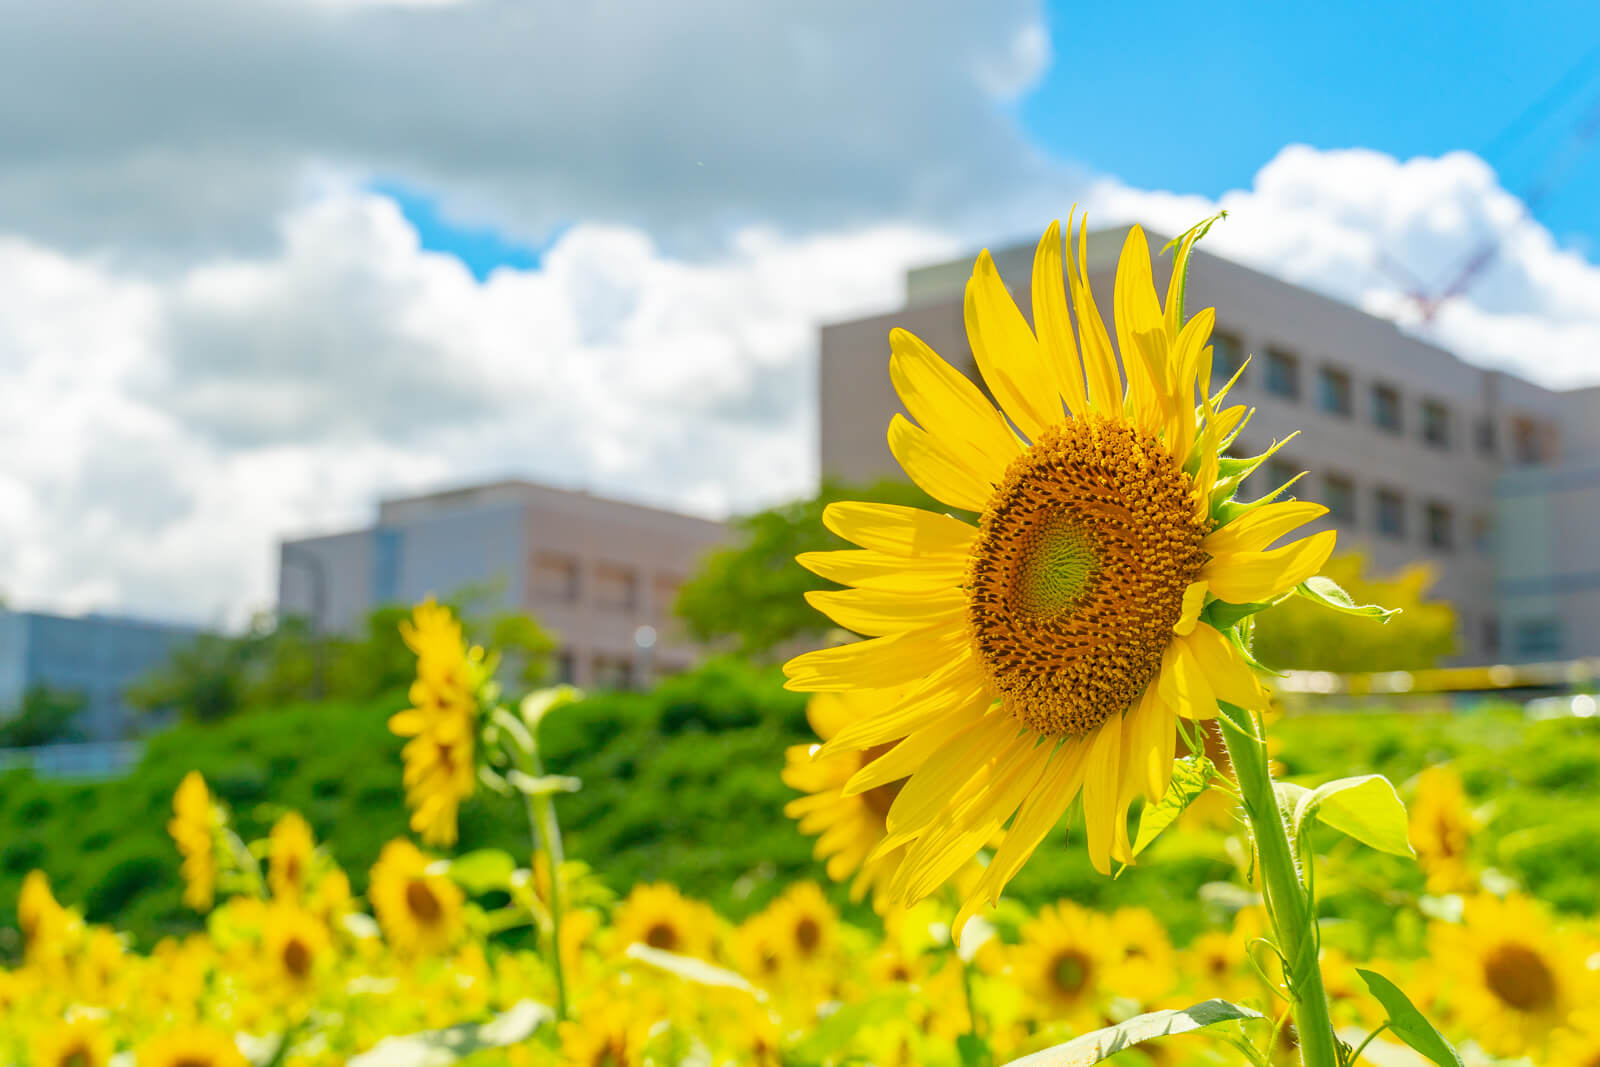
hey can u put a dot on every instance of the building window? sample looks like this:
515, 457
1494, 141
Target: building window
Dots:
1391, 511
1488, 444
1435, 424
613, 672
1538, 637
616, 588
1386, 408
1227, 356
1482, 534
562, 667
555, 578
1333, 392
1441, 526
1283, 374
1279, 470
1532, 442
1491, 635
1339, 493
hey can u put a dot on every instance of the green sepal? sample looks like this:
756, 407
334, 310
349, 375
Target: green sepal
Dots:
1326, 591
1409, 1024
1224, 616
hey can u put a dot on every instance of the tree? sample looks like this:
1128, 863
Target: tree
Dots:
45, 717
751, 594
1300, 635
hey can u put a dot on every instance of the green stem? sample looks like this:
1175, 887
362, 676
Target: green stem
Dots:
546, 830
1356, 1055
1288, 903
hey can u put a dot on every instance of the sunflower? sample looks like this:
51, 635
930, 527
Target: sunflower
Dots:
46, 926
441, 722
1049, 650
1062, 961
290, 847
1143, 964
1213, 961
79, 1043
758, 948
194, 827
1578, 1047
661, 917
1508, 972
294, 947
806, 923
848, 827
606, 1033
1441, 826
420, 912
197, 1046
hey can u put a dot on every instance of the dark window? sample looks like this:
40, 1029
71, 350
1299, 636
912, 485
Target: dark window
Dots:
563, 667
1227, 356
1491, 635
1532, 442
1283, 374
1279, 470
1441, 526
1391, 509
1339, 493
1538, 637
1386, 408
1488, 444
1435, 424
1333, 392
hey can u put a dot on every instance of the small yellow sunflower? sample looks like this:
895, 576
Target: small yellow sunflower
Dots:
79, 1043
1215, 963
194, 828
848, 826
758, 948
46, 926
1143, 964
441, 722
197, 1046
1049, 650
295, 947
290, 848
1061, 963
808, 926
420, 912
1441, 830
1507, 974
662, 918
606, 1033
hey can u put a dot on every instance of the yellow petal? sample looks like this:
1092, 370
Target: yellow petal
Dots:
876, 613
1052, 322
1183, 685
879, 570
1149, 742
1251, 577
1008, 354
879, 663
1194, 601
918, 747
899, 531
942, 472
1259, 527
946, 404
959, 685
1100, 788
1099, 362
1227, 674
946, 770
1141, 335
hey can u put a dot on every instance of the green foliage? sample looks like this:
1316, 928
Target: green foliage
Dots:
1301, 634
751, 594
44, 717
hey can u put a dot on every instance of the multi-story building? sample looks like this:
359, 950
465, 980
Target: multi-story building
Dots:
1416, 453
96, 656
601, 574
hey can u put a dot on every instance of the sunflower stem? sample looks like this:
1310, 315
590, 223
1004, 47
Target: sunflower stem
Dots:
546, 831
1289, 903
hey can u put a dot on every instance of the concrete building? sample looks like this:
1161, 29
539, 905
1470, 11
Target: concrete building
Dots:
602, 574
96, 656
1417, 454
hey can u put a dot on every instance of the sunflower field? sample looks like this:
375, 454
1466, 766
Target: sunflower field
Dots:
1054, 811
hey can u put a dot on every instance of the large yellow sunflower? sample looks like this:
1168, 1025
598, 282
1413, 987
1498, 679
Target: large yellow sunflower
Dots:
295, 947
1508, 975
420, 912
193, 827
1048, 650
1062, 962
661, 917
441, 722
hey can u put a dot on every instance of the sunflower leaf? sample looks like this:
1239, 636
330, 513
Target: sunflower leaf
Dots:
692, 970
834, 1032
1366, 808
1191, 776
1409, 1024
1326, 591
1098, 1045
435, 1048
482, 871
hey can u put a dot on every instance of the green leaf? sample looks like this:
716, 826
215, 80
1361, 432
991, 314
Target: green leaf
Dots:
1098, 1045
435, 1048
1191, 775
1326, 591
691, 970
974, 1050
835, 1032
1409, 1024
482, 871
544, 784
1366, 808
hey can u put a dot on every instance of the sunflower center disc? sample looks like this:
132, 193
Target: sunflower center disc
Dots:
420, 899
1520, 977
1078, 572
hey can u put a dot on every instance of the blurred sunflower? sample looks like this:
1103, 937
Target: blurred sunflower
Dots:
1061, 963
1441, 826
420, 912
1048, 651
1215, 960
661, 917
1143, 964
1578, 1047
290, 847
806, 923
441, 722
295, 946
1508, 974
44, 923
194, 827
82, 1042
847, 826
606, 1033
758, 945
197, 1046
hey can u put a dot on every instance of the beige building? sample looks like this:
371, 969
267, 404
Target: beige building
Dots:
1413, 450
601, 574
